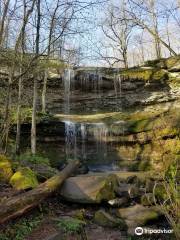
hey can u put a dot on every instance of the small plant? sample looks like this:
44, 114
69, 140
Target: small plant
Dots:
170, 204
20, 229
71, 225
34, 159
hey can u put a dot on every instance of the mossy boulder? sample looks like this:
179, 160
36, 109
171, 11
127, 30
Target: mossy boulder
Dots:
89, 188
138, 215
5, 169
105, 219
23, 179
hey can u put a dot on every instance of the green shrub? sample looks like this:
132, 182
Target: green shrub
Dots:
20, 229
33, 159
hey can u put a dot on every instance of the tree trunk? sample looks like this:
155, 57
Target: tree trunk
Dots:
20, 204
18, 131
2, 24
33, 124
6, 120
125, 59
33, 127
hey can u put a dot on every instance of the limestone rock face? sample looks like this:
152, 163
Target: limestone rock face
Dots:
23, 179
5, 169
89, 188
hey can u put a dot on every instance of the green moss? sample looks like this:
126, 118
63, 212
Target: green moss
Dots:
160, 192
172, 61
142, 125
106, 220
107, 191
145, 74
23, 179
5, 169
156, 63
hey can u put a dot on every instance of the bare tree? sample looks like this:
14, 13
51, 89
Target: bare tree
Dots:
137, 13
34, 109
118, 30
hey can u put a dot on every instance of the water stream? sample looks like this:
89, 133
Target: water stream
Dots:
85, 140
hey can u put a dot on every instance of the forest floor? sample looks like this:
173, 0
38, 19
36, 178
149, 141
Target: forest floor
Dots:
52, 220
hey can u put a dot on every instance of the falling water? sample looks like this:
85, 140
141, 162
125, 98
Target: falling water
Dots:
91, 81
83, 136
70, 140
118, 90
100, 132
70, 127
78, 135
67, 81
80, 132
118, 86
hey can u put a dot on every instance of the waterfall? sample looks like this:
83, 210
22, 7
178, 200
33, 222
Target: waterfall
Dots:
70, 127
99, 132
67, 82
77, 135
83, 136
118, 90
80, 132
91, 81
118, 86
70, 140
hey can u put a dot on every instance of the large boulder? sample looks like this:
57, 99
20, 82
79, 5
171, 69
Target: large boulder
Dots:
24, 179
5, 169
89, 188
137, 215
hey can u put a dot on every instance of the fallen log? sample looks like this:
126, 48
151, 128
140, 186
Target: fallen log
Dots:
20, 204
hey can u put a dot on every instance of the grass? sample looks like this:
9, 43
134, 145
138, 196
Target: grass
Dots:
71, 225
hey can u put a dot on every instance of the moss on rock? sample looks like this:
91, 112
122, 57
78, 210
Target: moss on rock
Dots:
145, 74
89, 188
172, 61
23, 179
138, 215
106, 220
5, 169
